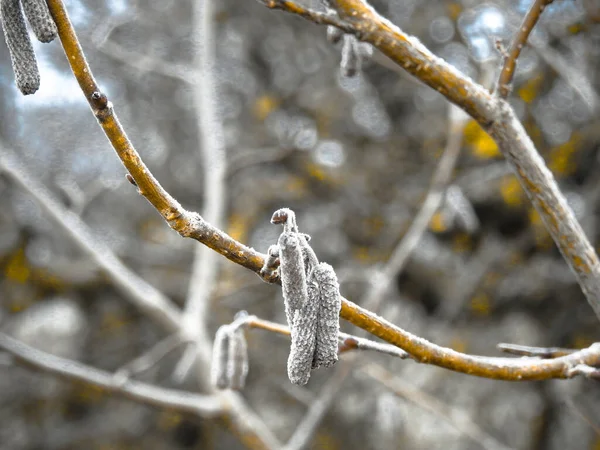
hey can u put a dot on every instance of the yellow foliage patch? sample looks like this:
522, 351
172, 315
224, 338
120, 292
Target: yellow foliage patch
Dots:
561, 160
17, 268
530, 90
437, 224
511, 191
480, 143
238, 227
462, 243
169, 420
263, 106
481, 304
454, 10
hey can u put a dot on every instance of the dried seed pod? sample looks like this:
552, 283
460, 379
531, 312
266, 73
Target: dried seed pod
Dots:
302, 350
220, 358
40, 20
17, 39
334, 34
351, 56
292, 273
237, 364
324, 287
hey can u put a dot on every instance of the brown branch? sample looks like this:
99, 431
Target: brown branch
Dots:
510, 63
347, 341
365, 23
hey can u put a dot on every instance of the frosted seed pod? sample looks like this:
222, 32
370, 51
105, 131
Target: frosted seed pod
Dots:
237, 364
19, 46
220, 358
324, 285
40, 20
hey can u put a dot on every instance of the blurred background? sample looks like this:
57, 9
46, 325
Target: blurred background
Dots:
353, 156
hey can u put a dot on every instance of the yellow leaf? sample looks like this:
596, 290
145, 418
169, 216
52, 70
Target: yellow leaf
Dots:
480, 143
263, 106
481, 305
17, 268
511, 191
437, 224
530, 90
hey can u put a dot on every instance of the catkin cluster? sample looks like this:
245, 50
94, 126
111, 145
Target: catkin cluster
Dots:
12, 17
312, 300
230, 358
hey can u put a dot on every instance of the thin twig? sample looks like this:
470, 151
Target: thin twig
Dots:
435, 195
317, 410
540, 352
143, 295
150, 358
200, 405
455, 417
519, 41
347, 341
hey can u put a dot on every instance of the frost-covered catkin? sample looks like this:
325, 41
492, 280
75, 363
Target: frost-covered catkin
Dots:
292, 273
237, 364
303, 343
220, 358
351, 57
40, 20
324, 287
17, 39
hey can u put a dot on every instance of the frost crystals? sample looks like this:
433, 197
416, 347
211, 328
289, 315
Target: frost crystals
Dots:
312, 300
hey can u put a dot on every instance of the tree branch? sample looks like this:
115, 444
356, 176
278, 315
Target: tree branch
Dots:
199, 405
495, 115
519, 41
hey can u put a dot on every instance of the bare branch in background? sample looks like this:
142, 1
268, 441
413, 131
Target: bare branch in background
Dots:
212, 149
143, 295
455, 417
519, 41
199, 405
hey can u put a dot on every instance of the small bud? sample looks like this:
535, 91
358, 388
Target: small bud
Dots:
237, 364
220, 358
